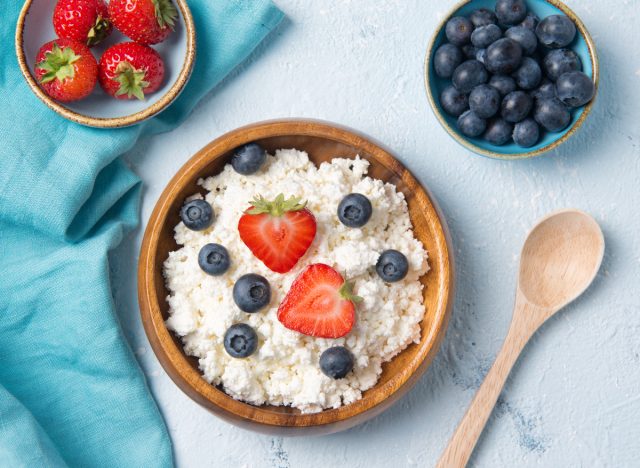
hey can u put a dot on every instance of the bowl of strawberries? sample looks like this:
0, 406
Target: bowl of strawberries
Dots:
107, 63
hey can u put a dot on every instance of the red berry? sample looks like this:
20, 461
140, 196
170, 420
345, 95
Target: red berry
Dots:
278, 232
66, 69
143, 21
129, 70
86, 21
319, 303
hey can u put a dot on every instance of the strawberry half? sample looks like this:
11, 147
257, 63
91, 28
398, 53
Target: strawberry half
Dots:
278, 232
320, 303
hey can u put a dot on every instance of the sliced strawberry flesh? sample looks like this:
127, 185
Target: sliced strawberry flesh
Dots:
278, 240
315, 306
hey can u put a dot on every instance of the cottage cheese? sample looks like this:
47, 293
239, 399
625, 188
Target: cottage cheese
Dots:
284, 370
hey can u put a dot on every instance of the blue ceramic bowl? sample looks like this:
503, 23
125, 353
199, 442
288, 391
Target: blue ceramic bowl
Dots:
583, 45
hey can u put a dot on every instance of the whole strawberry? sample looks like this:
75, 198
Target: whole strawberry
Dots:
66, 69
129, 70
143, 21
86, 21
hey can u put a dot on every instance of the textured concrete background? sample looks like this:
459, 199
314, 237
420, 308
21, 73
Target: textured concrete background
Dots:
574, 397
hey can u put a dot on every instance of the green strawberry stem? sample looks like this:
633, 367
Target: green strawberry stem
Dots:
166, 13
58, 64
131, 81
346, 292
277, 207
98, 31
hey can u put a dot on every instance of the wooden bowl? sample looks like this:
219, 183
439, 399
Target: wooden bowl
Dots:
35, 28
323, 142
582, 45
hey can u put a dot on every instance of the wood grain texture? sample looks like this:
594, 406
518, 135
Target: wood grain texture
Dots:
559, 260
323, 142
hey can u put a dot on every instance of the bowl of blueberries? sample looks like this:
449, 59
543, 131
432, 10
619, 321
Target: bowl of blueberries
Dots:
511, 79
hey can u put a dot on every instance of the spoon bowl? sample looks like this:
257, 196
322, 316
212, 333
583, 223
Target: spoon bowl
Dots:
560, 259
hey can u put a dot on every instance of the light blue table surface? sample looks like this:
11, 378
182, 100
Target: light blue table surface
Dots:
574, 397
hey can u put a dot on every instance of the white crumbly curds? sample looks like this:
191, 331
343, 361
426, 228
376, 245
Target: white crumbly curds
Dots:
284, 370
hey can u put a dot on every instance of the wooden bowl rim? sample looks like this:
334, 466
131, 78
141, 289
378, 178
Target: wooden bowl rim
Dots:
582, 29
190, 380
112, 122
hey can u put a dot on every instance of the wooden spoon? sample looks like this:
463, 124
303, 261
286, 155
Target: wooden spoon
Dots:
559, 260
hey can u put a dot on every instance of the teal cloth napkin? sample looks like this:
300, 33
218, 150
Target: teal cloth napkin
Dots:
71, 392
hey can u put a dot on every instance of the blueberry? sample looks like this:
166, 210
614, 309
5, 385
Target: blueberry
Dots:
471, 125
528, 75
248, 159
551, 114
197, 215
453, 101
468, 75
547, 90
446, 59
213, 259
481, 55
484, 101
251, 292
354, 210
392, 266
559, 61
468, 51
526, 133
530, 21
504, 84
240, 340
510, 11
516, 106
482, 17
484, 36
503, 56
523, 36
458, 30
336, 362
575, 88
556, 31
498, 132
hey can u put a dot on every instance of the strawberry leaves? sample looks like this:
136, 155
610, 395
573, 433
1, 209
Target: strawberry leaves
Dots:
132, 81
58, 64
166, 13
277, 207
100, 30
346, 292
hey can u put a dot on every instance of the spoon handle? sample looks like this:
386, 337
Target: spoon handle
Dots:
461, 445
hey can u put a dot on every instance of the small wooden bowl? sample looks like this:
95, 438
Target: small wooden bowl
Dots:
35, 28
323, 142
582, 45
